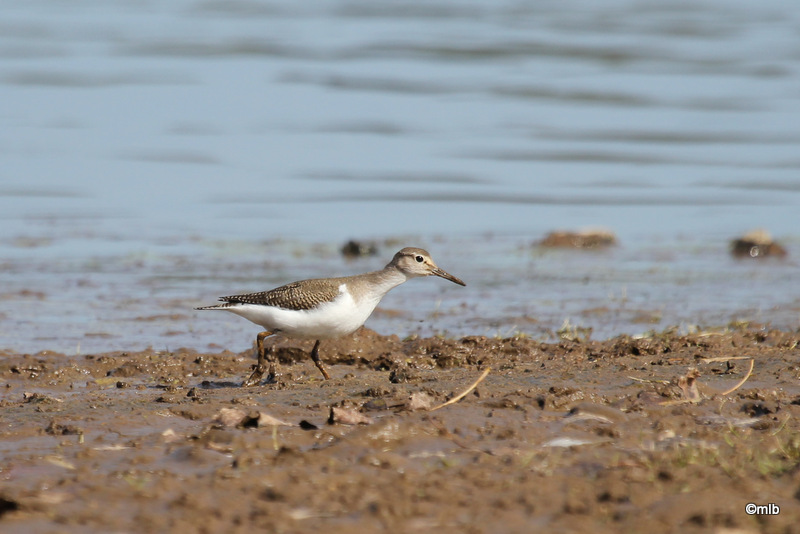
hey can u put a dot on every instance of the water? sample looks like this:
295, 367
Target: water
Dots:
156, 155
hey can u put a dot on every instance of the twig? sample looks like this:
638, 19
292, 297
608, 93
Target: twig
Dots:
725, 359
743, 380
464, 393
649, 381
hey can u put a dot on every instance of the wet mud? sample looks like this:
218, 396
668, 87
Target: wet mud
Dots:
667, 433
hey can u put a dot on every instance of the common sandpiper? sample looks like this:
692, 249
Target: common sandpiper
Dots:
323, 308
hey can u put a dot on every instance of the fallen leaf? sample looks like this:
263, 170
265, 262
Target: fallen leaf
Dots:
348, 416
264, 419
419, 401
230, 417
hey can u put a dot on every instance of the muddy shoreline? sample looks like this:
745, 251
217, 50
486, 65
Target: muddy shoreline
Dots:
667, 433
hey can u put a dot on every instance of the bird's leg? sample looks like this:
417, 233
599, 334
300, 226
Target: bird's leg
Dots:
261, 365
318, 362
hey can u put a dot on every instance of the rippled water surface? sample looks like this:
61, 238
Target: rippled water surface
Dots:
156, 155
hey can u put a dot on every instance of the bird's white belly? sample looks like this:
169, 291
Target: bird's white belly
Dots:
332, 319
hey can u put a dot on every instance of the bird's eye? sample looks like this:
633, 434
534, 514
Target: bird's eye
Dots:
419, 259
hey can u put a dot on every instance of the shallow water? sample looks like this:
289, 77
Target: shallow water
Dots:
154, 157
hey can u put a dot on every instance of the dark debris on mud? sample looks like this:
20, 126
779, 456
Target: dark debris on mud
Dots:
667, 433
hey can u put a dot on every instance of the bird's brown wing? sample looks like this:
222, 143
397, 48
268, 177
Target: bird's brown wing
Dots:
303, 295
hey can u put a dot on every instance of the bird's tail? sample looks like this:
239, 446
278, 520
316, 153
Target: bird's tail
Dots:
222, 306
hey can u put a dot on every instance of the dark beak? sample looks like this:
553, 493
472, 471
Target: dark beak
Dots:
447, 276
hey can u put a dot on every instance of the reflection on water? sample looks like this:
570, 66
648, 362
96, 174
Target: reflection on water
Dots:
156, 156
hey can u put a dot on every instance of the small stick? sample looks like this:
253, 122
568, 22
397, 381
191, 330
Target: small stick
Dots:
737, 386
465, 392
649, 381
725, 359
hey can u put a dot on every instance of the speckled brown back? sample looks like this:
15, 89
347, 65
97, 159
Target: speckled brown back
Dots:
303, 295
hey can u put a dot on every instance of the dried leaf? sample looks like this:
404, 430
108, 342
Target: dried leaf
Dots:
230, 417
264, 419
419, 401
348, 416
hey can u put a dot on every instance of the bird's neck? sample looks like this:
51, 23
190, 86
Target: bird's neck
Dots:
374, 285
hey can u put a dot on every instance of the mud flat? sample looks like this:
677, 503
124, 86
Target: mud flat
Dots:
665, 433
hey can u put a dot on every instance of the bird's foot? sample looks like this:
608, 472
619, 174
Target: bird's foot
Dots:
258, 374
255, 377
